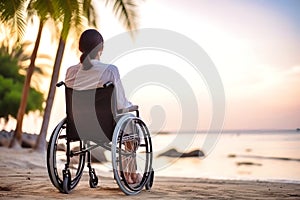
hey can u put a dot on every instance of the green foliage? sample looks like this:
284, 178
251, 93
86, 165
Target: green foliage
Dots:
11, 85
6, 68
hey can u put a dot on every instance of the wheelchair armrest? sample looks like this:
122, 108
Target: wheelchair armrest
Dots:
129, 109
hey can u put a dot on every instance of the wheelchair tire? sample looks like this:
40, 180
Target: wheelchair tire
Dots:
134, 161
56, 160
66, 181
149, 184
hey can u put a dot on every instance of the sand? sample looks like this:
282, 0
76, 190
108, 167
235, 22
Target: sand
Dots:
24, 176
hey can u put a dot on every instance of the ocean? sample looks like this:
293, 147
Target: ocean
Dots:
272, 155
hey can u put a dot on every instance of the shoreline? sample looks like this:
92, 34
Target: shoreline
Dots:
24, 176
239, 179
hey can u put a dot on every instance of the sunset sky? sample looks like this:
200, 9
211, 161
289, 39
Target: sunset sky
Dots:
254, 44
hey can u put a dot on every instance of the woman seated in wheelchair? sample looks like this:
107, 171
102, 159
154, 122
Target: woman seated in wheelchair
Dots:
91, 73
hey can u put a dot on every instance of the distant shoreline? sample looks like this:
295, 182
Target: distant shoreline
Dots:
233, 131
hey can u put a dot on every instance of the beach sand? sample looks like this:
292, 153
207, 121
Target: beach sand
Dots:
24, 175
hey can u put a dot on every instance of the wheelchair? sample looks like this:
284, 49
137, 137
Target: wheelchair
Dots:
93, 121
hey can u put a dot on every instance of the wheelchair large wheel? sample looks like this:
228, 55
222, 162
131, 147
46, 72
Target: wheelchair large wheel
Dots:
131, 154
64, 178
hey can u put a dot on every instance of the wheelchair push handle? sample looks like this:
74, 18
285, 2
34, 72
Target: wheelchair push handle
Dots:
60, 84
108, 84
63, 83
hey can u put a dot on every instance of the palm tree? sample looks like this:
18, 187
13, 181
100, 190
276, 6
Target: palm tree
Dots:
71, 12
17, 139
44, 9
13, 12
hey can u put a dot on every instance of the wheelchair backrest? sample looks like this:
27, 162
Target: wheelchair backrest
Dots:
90, 114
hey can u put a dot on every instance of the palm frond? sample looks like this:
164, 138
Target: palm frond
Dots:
86, 6
14, 10
43, 8
20, 20
125, 11
89, 12
70, 15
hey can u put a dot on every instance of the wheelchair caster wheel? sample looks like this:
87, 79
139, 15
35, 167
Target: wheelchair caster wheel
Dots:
149, 184
66, 181
93, 179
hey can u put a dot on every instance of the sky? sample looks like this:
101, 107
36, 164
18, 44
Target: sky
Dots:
254, 45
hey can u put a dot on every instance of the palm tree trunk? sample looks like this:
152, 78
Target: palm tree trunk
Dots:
17, 138
41, 141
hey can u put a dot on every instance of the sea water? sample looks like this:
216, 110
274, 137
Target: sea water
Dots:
272, 155
263, 155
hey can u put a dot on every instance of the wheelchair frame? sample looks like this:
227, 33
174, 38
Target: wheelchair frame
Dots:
65, 176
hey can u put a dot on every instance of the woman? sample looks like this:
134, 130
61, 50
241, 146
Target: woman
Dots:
91, 73
98, 73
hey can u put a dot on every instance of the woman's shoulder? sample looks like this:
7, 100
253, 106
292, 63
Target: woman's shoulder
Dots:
112, 67
73, 68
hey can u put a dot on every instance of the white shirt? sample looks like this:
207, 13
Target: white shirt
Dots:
95, 77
